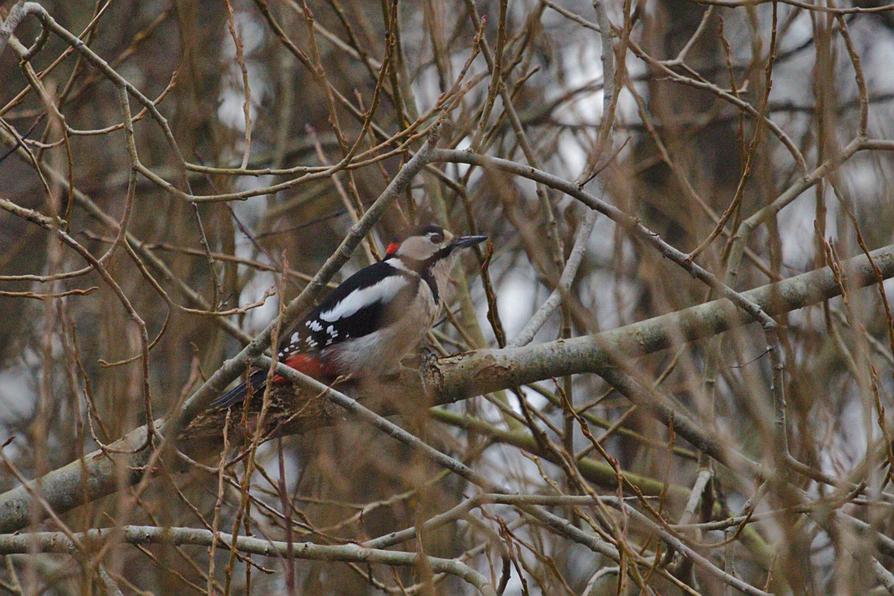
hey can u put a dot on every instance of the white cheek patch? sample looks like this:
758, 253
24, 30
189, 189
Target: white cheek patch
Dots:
382, 291
417, 248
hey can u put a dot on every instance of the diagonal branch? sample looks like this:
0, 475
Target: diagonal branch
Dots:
483, 371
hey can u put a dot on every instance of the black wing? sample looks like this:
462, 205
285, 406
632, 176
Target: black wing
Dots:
387, 292
316, 332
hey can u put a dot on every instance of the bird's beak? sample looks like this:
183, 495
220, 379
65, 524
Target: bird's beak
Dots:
466, 241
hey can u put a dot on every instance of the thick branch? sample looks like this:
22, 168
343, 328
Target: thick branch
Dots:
484, 371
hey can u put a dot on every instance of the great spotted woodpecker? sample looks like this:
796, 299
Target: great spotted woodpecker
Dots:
372, 320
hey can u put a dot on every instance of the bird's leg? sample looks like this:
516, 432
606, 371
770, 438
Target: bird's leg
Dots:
428, 372
412, 365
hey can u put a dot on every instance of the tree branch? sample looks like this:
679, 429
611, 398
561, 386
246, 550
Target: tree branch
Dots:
57, 542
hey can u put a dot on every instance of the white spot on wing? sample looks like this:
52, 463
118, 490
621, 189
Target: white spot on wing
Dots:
314, 325
358, 299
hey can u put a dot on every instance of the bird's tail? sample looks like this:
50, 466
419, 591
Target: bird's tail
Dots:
309, 364
235, 395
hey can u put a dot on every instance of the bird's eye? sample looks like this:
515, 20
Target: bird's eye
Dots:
436, 237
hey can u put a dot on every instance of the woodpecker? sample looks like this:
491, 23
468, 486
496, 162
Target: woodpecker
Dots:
372, 320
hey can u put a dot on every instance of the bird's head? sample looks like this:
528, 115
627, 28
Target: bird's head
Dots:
430, 244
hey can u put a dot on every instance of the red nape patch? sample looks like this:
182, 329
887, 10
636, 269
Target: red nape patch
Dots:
392, 248
306, 363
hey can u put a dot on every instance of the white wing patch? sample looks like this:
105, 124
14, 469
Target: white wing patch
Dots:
358, 299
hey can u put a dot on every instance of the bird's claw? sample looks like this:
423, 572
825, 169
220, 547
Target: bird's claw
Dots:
427, 358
